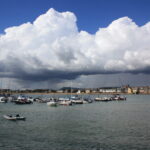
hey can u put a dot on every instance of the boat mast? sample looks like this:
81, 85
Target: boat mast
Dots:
71, 89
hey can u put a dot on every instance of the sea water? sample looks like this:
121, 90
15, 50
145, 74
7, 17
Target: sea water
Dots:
115, 125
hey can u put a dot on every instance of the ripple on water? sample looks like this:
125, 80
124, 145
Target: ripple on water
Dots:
97, 126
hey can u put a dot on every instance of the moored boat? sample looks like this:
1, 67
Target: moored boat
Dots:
118, 97
52, 103
14, 118
22, 100
79, 101
3, 99
102, 99
76, 100
65, 103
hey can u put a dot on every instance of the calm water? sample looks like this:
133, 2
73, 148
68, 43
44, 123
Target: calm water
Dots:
121, 125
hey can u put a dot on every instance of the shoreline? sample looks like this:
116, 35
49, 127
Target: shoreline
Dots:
57, 93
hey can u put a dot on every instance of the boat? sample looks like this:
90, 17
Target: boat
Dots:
30, 99
102, 99
39, 100
3, 99
52, 103
118, 97
12, 98
89, 100
85, 102
65, 103
14, 118
76, 99
22, 100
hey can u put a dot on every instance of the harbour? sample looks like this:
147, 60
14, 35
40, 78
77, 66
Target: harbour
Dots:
98, 126
74, 75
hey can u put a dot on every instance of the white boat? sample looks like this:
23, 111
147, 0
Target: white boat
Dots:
103, 99
63, 99
3, 99
22, 100
85, 102
40, 100
52, 103
17, 117
65, 102
31, 99
76, 100
79, 101
98, 99
11, 98
118, 97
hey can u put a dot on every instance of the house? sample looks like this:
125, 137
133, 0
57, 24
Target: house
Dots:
87, 91
135, 90
129, 90
144, 90
109, 89
60, 91
79, 92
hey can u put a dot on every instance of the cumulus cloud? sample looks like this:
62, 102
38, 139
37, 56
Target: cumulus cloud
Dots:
52, 48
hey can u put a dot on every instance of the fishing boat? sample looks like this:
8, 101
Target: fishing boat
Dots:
14, 118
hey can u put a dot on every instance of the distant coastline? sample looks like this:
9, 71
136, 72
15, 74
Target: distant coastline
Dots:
57, 93
127, 89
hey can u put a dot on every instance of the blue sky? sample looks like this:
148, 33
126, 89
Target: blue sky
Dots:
91, 14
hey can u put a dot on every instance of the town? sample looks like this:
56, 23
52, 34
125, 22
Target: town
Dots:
127, 89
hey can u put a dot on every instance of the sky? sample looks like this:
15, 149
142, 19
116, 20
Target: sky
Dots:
56, 43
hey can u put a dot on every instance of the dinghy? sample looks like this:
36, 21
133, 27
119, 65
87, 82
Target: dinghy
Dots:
17, 117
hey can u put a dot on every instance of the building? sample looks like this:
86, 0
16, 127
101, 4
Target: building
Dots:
110, 90
129, 90
87, 91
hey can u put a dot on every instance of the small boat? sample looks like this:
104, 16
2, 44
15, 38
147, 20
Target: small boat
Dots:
22, 100
3, 99
76, 100
65, 103
118, 97
14, 118
12, 98
39, 100
52, 103
30, 99
102, 99
90, 101
85, 102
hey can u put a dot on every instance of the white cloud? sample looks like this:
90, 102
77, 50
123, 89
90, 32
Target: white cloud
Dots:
53, 44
